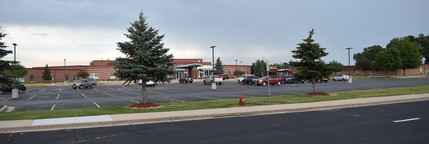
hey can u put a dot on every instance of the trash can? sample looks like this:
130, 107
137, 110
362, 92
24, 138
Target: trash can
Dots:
350, 80
15, 93
213, 85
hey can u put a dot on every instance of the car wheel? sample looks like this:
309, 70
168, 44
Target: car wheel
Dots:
80, 87
220, 83
190, 81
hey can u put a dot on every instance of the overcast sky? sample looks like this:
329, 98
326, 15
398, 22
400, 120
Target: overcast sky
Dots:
49, 31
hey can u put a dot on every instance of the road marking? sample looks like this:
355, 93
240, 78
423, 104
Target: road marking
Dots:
108, 94
60, 89
31, 97
96, 104
173, 99
58, 96
83, 95
406, 120
134, 101
7, 99
53, 107
42, 90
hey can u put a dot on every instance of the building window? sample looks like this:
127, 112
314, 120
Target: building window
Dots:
112, 76
67, 77
32, 78
75, 77
93, 75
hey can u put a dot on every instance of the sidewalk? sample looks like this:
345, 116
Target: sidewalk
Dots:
157, 117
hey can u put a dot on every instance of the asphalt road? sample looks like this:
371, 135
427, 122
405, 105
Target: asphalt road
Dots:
64, 97
392, 124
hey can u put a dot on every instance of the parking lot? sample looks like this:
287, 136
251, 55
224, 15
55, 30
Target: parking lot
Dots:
65, 97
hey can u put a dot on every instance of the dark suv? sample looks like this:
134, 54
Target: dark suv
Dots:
186, 79
7, 87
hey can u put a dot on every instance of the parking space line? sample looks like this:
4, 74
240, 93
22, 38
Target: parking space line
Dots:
108, 94
173, 99
42, 90
60, 89
84, 95
52, 108
31, 97
134, 101
58, 96
96, 104
7, 99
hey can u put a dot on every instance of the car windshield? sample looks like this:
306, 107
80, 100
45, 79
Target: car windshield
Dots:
81, 81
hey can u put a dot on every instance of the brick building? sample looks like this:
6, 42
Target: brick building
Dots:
103, 70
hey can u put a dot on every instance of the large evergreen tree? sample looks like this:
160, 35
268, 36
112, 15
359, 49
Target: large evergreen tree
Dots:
309, 62
259, 68
4, 64
145, 56
46, 75
408, 52
219, 66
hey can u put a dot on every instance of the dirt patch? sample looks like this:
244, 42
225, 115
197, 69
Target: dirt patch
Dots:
144, 105
317, 94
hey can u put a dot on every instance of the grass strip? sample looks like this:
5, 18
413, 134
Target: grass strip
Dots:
178, 106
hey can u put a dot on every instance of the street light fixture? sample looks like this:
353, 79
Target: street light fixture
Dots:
348, 49
14, 52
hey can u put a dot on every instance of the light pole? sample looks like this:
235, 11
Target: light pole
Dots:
14, 52
212, 47
348, 49
236, 69
65, 72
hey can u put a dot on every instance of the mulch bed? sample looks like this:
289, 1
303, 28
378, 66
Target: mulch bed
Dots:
144, 105
317, 94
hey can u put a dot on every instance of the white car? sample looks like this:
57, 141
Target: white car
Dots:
341, 77
242, 77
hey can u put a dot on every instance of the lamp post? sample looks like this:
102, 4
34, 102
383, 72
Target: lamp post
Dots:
213, 79
65, 73
348, 49
14, 52
236, 69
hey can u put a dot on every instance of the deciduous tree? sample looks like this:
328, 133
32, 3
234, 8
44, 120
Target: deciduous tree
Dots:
387, 60
408, 52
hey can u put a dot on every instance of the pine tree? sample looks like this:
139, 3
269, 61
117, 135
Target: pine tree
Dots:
46, 73
219, 66
4, 65
145, 56
309, 64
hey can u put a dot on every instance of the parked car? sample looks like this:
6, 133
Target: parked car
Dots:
7, 87
84, 83
225, 76
342, 77
243, 77
249, 80
149, 83
186, 79
217, 79
272, 79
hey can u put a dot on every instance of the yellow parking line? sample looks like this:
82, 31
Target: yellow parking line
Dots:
58, 96
96, 104
53, 107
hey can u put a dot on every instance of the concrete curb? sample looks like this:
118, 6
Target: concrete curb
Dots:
142, 118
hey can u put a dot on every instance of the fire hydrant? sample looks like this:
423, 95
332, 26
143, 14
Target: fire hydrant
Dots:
242, 100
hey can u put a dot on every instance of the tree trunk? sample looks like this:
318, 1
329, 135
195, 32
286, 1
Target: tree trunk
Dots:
314, 85
145, 99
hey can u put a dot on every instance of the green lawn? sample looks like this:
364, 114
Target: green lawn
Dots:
285, 99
